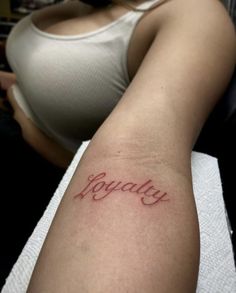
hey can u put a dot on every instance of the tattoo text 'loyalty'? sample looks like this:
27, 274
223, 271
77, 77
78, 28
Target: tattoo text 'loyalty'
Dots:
100, 187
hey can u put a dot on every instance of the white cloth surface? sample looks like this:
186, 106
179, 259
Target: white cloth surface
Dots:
217, 272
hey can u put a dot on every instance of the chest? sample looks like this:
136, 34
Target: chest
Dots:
74, 18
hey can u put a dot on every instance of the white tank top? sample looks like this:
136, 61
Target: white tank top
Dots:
67, 83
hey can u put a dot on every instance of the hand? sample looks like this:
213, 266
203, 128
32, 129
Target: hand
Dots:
7, 79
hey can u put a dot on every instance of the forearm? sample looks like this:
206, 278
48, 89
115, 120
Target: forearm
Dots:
124, 225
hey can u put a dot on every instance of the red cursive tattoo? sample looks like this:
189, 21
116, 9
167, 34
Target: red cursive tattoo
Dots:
99, 187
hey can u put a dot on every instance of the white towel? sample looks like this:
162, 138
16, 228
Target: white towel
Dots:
217, 272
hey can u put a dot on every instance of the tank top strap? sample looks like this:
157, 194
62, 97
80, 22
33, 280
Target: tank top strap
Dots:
149, 3
141, 9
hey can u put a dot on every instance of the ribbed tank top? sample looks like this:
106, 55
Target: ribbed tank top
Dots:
67, 83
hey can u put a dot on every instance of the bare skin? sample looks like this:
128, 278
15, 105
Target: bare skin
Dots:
128, 221
6, 80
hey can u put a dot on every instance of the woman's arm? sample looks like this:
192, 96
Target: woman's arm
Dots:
43, 144
39, 141
128, 222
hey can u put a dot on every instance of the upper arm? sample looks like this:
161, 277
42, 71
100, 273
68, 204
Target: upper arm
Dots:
185, 71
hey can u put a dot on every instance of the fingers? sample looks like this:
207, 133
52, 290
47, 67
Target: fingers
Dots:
4, 102
7, 79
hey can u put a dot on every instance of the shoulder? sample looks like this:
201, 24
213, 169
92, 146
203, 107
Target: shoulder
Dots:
202, 18
201, 11
197, 21
202, 21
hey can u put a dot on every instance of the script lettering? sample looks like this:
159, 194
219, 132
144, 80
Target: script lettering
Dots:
99, 187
